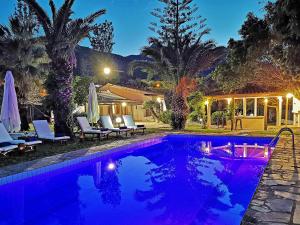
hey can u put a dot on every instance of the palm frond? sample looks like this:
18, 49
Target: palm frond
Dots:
42, 16
63, 16
53, 9
90, 19
137, 64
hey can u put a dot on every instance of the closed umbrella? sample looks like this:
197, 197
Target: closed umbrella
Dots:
10, 115
93, 113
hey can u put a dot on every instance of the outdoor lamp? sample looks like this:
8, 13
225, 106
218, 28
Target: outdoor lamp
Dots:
158, 99
118, 120
266, 100
206, 102
289, 95
229, 100
124, 104
107, 70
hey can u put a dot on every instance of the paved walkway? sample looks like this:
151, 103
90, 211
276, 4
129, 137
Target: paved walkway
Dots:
277, 199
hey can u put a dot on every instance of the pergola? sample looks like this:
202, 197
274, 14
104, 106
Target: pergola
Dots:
256, 120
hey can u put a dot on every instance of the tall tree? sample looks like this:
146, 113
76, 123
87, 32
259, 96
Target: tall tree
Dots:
178, 49
102, 37
62, 34
268, 52
23, 52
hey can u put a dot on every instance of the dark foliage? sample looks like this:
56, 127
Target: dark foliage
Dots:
102, 37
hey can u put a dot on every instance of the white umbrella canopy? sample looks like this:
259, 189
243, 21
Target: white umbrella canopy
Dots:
10, 115
93, 112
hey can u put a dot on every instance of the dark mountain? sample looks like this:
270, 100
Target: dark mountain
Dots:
92, 63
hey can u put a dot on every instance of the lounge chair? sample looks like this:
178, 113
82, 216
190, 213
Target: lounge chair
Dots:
87, 129
107, 123
8, 144
43, 132
129, 122
5, 149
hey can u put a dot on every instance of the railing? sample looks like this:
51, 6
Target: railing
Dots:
280, 132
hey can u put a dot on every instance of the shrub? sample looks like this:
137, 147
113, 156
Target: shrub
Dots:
165, 117
218, 117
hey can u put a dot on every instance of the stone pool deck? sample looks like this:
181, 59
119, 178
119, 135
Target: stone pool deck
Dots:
47, 161
277, 199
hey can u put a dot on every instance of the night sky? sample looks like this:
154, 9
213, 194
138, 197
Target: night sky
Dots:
131, 18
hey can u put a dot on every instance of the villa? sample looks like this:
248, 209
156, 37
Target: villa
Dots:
119, 100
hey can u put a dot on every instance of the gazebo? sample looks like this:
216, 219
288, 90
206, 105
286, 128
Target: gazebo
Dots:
257, 109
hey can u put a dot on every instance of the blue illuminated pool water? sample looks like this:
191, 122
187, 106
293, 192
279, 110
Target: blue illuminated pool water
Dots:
174, 180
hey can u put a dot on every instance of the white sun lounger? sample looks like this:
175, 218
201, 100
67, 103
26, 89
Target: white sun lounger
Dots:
129, 122
87, 129
43, 132
13, 144
107, 123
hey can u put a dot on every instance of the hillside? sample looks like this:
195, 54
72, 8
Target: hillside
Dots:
92, 63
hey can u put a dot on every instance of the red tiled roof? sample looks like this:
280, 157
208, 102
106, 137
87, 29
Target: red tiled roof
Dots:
132, 94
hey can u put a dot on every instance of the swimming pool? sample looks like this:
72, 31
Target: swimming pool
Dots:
173, 180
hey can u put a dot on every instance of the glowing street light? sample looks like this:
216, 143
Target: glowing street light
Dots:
124, 104
107, 70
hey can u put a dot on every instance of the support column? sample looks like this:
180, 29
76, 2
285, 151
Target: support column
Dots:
255, 106
279, 114
299, 119
208, 105
266, 114
294, 119
286, 111
244, 107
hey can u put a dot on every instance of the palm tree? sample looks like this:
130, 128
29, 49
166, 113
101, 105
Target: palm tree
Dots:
23, 52
62, 34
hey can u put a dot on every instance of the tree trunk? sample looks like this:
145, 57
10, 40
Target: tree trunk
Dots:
23, 116
59, 85
179, 112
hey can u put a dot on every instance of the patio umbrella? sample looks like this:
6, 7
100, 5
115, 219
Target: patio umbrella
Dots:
93, 112
10, 115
